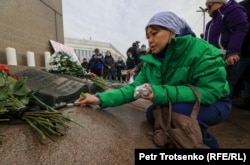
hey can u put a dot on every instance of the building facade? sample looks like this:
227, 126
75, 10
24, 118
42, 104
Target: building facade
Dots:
85, 48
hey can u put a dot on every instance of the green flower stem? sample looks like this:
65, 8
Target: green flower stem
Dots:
4, 120
41, 135
42, 103
47, 123
82, 94
3, 111
49, 128
15, 103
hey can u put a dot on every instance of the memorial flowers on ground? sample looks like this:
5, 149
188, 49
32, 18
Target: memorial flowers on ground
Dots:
15, 99
61, 62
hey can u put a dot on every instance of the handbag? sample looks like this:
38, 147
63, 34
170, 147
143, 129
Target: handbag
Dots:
175, 130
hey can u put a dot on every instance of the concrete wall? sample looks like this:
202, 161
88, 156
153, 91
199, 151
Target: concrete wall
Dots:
28, 25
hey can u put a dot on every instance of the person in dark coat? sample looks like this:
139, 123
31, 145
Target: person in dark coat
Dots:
243, 72
227, 30
109, 66
85, 64
120, 65
131, 60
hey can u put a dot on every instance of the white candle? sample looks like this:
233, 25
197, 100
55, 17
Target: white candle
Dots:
46, 58
30, 58
11, 56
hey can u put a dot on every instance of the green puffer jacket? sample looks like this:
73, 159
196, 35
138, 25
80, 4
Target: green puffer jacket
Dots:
188, 60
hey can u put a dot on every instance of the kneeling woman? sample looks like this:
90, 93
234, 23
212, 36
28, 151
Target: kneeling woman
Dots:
178, 59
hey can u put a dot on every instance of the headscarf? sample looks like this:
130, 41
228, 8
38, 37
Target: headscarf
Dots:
218, 1
172, 22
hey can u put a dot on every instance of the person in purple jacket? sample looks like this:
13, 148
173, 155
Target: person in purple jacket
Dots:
227, 30
244, 67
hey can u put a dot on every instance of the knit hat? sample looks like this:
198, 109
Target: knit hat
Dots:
218, 1
170, 21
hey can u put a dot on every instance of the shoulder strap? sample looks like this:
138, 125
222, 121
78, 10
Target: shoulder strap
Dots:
196, 107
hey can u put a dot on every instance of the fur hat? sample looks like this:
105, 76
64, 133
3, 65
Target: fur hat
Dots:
170, 21
218, 1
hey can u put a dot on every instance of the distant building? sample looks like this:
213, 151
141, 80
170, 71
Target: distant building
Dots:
85, 48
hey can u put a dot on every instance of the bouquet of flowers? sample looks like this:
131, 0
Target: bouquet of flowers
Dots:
14, 100
61, 62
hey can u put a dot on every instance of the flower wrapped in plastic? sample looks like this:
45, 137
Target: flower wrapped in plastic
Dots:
61, 62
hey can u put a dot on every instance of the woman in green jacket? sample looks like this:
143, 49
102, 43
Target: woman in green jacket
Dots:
177, 60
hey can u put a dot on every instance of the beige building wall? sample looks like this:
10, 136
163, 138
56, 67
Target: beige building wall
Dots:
28, 25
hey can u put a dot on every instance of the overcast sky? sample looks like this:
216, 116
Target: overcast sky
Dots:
122, 22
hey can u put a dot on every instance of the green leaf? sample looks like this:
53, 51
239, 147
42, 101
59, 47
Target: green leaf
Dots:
3, 94
2, 105
19, 84
10, 84
24, 100
24, 91
2, 81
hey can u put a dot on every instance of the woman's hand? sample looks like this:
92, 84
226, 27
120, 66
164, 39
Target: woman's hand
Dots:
150, 96
88, 99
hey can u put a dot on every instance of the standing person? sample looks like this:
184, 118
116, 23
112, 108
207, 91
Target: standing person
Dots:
137, 68
136, 52
244, 63
109, 66
175, 62
85, 63
131, 60
96, 63
143, 49
120, 65
227, 30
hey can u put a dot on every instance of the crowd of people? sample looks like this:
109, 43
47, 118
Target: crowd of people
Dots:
110, 69
177, 59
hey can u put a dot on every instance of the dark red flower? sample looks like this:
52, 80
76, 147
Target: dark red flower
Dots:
15, 77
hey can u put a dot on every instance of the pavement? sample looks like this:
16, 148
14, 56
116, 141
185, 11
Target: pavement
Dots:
109, 136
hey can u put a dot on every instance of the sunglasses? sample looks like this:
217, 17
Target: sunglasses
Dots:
209, 6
